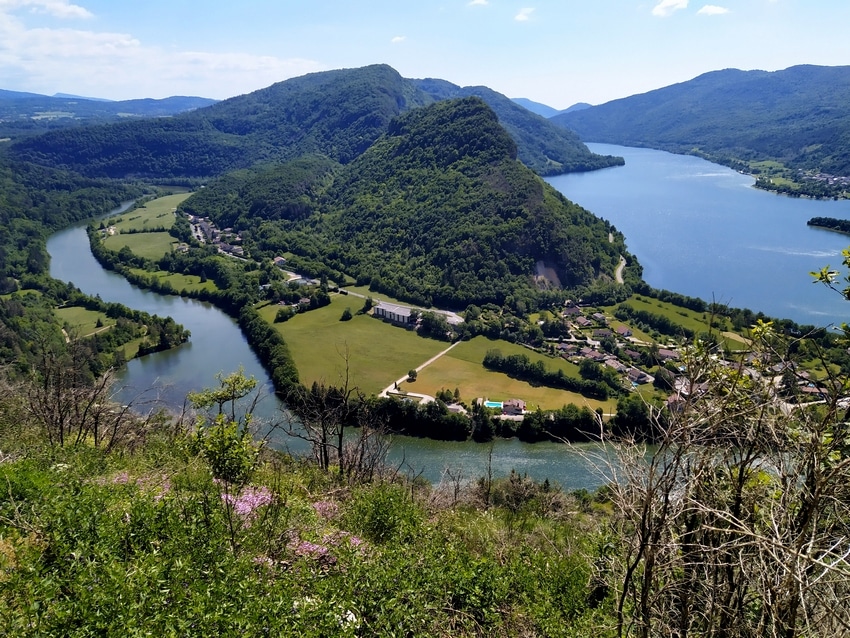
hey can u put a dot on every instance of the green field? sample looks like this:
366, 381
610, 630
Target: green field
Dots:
378, 353
180, 282
147, 245
462, 368
156, 214
144, 230
697, 322
81, 322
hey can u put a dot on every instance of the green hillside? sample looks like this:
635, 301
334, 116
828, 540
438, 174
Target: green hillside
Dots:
799, 117
438, 211
542, 146
334, 113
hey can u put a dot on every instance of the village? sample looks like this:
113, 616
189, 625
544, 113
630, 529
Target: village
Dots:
593, 336
205, 231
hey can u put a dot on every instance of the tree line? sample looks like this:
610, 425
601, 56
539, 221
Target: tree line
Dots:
519, 366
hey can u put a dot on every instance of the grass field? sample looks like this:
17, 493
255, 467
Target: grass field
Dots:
378, 353
147, 245
695, 321
148, 240
157, 213
462, 368
189, 283
82, 322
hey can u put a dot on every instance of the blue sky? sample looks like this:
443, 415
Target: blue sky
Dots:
557, 52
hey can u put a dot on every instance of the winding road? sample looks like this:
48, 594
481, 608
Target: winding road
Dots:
618, 274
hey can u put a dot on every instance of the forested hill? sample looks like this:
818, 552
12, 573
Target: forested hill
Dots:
35, 201
799, 116
543, 146
336, 113
438, 211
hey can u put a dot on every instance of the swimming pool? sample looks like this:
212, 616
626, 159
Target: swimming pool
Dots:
493, 404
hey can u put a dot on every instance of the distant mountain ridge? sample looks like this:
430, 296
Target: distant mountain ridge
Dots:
335, 113
23, 114
799, 116
71, 96
17, 95
87, 107
546, 110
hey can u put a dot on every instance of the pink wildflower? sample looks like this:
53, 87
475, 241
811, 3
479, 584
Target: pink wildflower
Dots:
248, 500
340, 537
122, 478
326, 509
310, 550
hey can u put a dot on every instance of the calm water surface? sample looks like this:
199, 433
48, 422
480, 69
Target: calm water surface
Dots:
703, 230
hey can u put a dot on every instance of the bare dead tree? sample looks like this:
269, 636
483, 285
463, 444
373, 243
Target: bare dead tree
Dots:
739, 523
71, 405
323, 413
364, 453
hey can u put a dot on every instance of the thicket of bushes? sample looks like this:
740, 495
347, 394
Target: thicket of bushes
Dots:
157, 541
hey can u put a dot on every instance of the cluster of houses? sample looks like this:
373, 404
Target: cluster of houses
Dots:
206, 232
827, 178
804, 388
589, 349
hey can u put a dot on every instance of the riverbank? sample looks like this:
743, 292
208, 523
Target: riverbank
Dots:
218, 345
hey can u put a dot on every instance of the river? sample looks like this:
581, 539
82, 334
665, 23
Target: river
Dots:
217, 345
698, 228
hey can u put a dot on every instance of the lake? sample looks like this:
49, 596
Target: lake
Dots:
703, 230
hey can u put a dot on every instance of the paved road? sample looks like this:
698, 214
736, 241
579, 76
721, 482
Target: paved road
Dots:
425, 397
618, 274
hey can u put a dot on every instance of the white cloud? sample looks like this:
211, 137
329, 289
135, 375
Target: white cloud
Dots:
524, 14
478, 3
397, 39
712, 10
667, 7
120, 66
55, 8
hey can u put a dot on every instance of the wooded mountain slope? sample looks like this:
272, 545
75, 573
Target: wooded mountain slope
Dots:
799, 116
335, 113
438, 211
35, 201
542, 146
